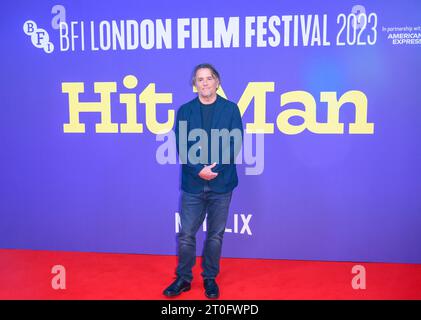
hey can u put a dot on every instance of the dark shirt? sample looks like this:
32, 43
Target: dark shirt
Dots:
207, 111
207, 115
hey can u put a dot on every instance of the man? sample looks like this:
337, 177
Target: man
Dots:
208, 177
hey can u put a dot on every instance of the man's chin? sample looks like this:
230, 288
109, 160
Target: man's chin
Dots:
206, 95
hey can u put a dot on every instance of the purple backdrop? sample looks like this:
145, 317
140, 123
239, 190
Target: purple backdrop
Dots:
346, 197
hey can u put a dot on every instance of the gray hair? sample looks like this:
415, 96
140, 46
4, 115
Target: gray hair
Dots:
205, 66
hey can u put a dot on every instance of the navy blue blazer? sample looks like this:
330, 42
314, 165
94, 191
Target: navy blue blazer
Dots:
226, 116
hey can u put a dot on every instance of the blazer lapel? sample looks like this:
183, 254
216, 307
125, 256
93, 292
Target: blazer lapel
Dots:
219, 107
196, 116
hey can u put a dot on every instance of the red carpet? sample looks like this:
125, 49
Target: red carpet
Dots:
26, 274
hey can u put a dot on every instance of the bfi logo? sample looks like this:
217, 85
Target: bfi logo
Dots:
241, 227
39, 37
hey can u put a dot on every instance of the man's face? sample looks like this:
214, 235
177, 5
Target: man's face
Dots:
206, 83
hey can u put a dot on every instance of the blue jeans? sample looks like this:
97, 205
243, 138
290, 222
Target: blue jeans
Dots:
193, 211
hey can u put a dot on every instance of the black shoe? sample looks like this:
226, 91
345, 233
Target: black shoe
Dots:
211, 288
177, 287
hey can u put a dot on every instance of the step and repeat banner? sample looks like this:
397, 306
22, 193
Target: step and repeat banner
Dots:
329, 94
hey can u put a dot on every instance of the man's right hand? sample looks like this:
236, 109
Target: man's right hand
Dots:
207, 172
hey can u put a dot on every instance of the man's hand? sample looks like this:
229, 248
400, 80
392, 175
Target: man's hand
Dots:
207, 172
